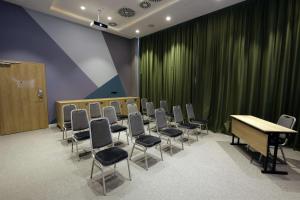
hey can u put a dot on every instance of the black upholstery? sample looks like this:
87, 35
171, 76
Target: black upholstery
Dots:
171, 132
84, 135
100, 133
201, 121
120, 117
111, 156
68, 125
188, 125
148, 140
117, 128
145, 121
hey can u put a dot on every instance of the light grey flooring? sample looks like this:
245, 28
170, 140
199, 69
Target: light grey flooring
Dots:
38, 165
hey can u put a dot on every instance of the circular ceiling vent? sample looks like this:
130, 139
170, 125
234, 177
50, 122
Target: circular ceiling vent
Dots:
112, 24
145, 4
126, 12
155, 0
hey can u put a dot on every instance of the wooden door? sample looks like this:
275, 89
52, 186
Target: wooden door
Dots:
23, 98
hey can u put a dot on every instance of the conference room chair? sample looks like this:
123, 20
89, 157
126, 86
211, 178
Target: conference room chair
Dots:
117, 107
130, 101
163, 104
110, 113
132, 108
141, 141
288, 122
167, 133
180, 123
104, 153
80, 127
143, 105
66, 116
150, 112
95, 110
192, 119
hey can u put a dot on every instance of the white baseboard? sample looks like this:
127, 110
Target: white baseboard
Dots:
53, 125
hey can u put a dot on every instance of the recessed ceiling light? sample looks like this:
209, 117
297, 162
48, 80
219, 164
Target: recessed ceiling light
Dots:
82, 7
137, 31
168, 18
109, 18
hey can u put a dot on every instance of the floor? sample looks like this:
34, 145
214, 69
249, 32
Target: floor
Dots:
39, 165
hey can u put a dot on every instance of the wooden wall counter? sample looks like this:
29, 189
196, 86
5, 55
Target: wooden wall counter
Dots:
84, 104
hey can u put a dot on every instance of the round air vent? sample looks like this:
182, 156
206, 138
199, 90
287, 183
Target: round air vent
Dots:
145, 4
126, 12
112, 24
155, 0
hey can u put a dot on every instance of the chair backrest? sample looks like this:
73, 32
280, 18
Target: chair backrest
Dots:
160, 118
95, 110
178, 117
100, 133
163, 104
143, 103
110, 113
79, 120
150, 109
286, 121
136, 125
190, 111
132, 108
130, 101
116, 105
67, 109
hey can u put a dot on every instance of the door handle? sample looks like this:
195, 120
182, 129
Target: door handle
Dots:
40, 93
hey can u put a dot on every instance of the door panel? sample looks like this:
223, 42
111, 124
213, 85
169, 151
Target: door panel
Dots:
23, 98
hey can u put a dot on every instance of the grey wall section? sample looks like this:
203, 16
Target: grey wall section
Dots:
122, 51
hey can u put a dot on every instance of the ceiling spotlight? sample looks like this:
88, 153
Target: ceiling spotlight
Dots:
137, 31
168, 18
109, 18
82, 7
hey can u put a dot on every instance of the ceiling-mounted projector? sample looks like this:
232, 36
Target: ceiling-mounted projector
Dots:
98, 24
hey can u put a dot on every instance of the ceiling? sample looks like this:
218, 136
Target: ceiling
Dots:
146, 20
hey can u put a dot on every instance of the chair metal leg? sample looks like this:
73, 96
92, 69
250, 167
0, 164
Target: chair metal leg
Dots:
160, 152
103, 182
63, 132
284, 159
132, 151
127, 137
188, 134
119, 136
206, 128
182, 142
171, 149
92, 170
128, 169
76, 147
146, 160
72, 145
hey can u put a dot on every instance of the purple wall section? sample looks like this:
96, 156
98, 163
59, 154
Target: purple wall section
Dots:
21, 38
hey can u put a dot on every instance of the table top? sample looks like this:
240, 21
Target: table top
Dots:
262, 125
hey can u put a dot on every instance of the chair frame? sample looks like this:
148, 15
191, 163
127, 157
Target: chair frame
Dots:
64, 129
98, 164
199, 123
141, 147
73, 132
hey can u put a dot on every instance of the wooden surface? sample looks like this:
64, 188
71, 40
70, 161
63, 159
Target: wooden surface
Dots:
20, 107
84, 104
262, 125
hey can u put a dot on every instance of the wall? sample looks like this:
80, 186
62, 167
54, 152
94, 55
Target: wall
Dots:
80, 62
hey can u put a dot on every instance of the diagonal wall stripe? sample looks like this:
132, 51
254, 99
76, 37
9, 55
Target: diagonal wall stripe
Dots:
85, 46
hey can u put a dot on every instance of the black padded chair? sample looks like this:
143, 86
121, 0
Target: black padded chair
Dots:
142, 140
180, 123
163, 104
191, 118
143, 105
164, 130
132, 108
80, 127
100, 135
117, 107
66, 118
110, 113
95, 110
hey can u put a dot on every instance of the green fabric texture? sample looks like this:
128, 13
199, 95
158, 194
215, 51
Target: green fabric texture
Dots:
244, 59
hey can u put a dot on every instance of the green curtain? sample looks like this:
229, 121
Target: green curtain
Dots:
244, 59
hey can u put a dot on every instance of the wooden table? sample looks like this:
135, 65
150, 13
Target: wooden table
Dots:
257, 133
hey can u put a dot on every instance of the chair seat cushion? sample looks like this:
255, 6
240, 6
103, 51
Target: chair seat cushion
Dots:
148, 140
121, 117
201, 121
111, 156
189, 125
145, 121
82, 135
171, 132
68, 125
117, 128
